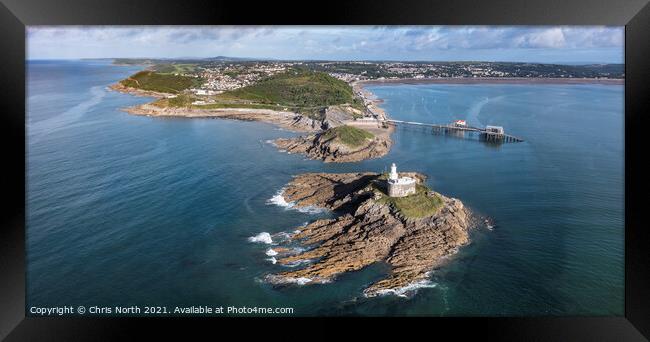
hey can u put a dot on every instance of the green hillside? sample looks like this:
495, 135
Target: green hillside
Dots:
163, 83
417, 205
348, 135
299, 90
296, 88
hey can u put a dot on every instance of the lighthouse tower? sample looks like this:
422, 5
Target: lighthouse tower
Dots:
399, 186
393, 172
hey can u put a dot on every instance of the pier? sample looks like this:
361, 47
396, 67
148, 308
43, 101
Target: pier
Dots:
489, 133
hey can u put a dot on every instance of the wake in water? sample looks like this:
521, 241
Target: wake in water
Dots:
68, 118
474, 111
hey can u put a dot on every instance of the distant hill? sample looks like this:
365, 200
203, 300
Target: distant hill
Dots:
228, 59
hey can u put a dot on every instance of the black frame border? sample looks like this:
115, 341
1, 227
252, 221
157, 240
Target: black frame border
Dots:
16, 14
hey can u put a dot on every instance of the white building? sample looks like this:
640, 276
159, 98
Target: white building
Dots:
399, 186
494, 129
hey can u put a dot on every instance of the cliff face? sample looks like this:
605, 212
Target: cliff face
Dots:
320, 147
368, 231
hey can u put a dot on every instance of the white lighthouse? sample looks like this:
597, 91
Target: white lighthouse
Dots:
399, 186
393, 172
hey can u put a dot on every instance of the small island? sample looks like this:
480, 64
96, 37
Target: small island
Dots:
346, 143
412, 231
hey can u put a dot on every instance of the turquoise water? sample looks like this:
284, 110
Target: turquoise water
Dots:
130, 210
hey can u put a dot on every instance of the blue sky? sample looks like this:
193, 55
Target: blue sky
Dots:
545, 44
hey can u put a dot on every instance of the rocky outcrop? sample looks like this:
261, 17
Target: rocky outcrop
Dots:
330, 150
337, 115
285, 119
119, 87
368, 231
331, 116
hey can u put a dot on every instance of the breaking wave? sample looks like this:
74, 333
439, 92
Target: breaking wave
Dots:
278, 199
406, 291
262, 237
280, 280
270, 252
299, 280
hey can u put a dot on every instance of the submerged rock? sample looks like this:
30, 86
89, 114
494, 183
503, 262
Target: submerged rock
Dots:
371, 228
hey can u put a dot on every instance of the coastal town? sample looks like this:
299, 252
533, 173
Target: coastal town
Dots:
230, 74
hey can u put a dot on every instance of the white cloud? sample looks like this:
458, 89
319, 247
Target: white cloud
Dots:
548, 38
334, 42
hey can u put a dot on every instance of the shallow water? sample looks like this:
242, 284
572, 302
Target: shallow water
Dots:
131, 210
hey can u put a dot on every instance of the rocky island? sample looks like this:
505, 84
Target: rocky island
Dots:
413, 233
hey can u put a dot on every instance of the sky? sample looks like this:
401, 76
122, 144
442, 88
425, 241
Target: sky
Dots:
541, 44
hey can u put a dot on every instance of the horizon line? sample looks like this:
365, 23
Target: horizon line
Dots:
252, 59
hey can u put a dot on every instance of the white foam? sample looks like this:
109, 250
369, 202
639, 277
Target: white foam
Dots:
299, 280
298, 263
270, 252
278, 199
277, 279
302, 280
272, 260
405, 290
310, 209
284, 235
262, 237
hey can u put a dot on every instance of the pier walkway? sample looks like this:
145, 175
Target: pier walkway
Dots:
489, 133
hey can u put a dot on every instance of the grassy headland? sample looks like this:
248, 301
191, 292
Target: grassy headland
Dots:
298, 90
158, 82
423, 203
348, 135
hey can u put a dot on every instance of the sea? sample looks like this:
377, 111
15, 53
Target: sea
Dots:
127, 210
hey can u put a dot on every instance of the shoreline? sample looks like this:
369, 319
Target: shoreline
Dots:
373, 102
286, 120
492, 80
118, 87
298, 123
